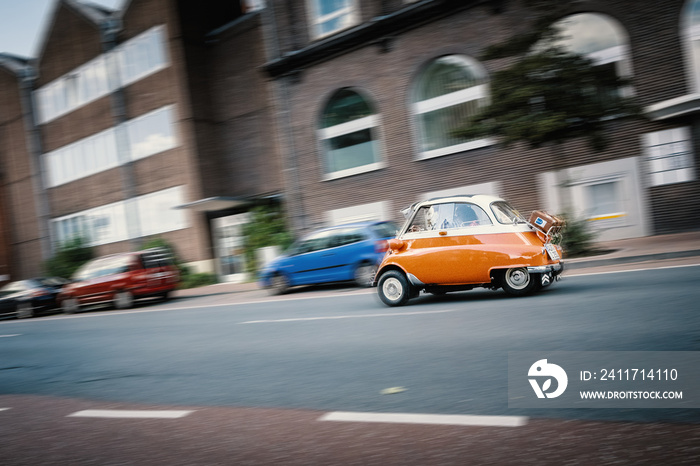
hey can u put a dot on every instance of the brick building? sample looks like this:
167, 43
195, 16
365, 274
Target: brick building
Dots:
171, 118
374, 88
20, 232
146, 123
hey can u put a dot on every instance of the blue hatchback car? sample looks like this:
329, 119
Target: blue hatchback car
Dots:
341, 253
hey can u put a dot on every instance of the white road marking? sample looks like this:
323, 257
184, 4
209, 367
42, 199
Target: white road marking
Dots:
127, 414
8, 336
4, 409
185, 306
440, 419
572, 273
353, 316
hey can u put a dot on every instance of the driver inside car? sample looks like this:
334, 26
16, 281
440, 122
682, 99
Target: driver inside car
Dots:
465, 216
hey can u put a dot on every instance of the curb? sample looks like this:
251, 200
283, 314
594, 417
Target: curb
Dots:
586, 263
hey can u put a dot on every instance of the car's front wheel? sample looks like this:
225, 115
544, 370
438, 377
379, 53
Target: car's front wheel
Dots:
70, 305
123, 300
393, 288
519, 282
278, 284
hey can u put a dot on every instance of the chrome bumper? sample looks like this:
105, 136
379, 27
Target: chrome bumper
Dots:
555, 268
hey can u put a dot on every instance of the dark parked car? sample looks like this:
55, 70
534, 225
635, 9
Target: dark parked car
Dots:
120, 279
28, 298
345, 252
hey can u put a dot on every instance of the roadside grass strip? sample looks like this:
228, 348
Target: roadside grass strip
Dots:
435, 419
130, 414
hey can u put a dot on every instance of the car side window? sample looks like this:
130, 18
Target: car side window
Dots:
448, 216
420, 220
315, 242
346, 236
469, 215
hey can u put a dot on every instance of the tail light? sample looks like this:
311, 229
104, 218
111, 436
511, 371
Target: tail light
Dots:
381, 246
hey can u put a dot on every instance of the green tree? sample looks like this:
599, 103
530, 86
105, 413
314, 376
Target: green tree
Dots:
267, 227
547, 96
550, 96
68, 258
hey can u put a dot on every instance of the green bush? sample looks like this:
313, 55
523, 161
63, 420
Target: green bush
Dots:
188, 279
576, 238
194, 280
69, 257
266, 227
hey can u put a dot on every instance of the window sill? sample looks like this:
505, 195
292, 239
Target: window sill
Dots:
467, 146
353, 171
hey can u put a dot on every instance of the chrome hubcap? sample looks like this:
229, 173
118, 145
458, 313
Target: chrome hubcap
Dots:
392, 289
518, 278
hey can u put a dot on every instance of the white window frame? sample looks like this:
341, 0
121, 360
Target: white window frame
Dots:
657, 165
315, 20
618, 54
93, 79
119, 226
473, 93
62, 167
359, 213
133, 124
371, 123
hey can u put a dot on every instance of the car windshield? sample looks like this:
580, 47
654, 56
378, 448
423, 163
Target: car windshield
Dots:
384, 229
51, 281
505, 213
101, 267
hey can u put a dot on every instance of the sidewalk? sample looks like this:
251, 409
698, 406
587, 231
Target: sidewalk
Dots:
649, 248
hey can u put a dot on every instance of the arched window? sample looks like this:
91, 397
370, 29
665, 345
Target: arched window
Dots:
447, 93
599, 38
347, 132
691, 35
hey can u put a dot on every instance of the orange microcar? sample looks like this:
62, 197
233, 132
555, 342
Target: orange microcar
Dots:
461, 242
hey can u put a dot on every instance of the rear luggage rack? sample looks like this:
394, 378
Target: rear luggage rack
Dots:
545, 224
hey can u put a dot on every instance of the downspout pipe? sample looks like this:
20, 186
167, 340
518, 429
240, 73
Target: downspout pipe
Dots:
27, 82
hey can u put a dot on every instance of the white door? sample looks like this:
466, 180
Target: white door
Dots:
229, 243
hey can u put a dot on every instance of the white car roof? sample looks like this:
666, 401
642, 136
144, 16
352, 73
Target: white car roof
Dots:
484, 200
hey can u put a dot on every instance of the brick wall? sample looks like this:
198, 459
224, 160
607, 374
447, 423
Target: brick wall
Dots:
19, 231
387, 77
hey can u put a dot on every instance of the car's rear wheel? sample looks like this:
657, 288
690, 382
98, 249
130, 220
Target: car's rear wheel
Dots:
393, 288
70, 305
364, 273
25, 310
123, 300
519, 282
279, 284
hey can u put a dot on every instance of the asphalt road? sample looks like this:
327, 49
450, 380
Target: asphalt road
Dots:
337, 349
